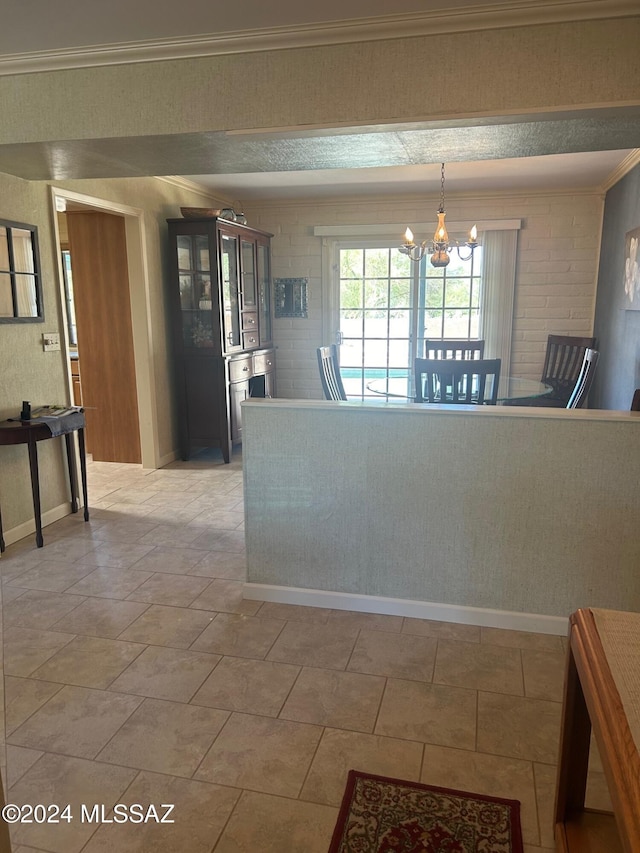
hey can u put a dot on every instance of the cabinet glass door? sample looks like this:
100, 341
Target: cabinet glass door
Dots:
248, 275
264, 293
194, 277
230, 290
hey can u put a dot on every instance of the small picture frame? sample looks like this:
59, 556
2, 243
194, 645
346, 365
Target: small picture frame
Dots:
290, 297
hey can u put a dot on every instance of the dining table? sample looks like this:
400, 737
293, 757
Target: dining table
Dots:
512, 388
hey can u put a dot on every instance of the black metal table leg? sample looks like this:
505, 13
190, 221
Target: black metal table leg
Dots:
35, 489
83, 472
73, 475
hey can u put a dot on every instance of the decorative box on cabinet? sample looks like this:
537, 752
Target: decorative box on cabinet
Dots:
221, 314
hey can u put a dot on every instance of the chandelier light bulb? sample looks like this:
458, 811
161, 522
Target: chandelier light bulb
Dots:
440, 246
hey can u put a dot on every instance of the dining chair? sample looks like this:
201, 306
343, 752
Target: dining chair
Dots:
585, 378
635, 403
461, 348
330, 373
562, 364
463, 381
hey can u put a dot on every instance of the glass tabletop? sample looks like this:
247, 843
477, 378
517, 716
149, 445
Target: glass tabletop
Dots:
511, 388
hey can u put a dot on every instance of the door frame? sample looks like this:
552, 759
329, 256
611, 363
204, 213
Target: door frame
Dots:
139, 298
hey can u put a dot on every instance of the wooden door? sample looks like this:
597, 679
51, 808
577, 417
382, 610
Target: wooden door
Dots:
105, 339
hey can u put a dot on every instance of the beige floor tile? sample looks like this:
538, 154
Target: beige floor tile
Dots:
60, 779
19, 558
76, 721
165, 737
176, 561
165, 673
478, 666
200, 814
52, 575
176, 590
493, 775
434, 714
340, 751
167, 626
543, 674
9, 593
219, 540
328, 697
218, 518
369, 621
171, 514
261, 754
173, 535
261, 822
23, 696
38, 609
118, 555
67, 549
226, 596
309, 644
545, 778
25, 649
521, 639
101, 617
106, 582
400, 655
441, 630
293, 612
252, 686
19, 760
221, 564
125, 529
519, 727
89, 662
239, 636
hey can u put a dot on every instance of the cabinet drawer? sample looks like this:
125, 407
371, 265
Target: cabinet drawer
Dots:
250, 340
263, 362
249, 321
240, 368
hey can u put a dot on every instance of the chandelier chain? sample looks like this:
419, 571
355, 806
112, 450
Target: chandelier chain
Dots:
442, 189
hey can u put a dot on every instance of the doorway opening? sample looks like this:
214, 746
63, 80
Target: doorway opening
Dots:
104, 294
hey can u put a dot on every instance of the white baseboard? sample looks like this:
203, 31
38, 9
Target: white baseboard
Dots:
464, 615
28, 528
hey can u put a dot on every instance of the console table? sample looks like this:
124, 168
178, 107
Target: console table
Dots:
30, 433
602, 693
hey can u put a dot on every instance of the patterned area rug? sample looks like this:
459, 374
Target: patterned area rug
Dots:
381, 815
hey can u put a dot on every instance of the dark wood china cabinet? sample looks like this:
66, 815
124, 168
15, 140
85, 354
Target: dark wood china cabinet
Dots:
221, 314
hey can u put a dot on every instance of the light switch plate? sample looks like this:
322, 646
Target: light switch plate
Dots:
50, 341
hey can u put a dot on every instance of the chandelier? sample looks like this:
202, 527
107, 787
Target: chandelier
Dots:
440, 245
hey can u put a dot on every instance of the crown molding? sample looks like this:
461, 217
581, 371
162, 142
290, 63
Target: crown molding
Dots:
519, 13
193, 187
621, 170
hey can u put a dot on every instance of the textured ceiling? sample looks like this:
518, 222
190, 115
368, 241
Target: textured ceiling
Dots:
251, 165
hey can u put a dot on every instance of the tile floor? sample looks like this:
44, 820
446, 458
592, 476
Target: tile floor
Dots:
136, 673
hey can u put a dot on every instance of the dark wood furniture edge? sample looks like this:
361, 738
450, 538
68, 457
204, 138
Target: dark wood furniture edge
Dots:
592, 701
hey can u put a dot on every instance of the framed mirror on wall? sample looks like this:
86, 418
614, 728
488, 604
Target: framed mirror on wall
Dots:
20, 281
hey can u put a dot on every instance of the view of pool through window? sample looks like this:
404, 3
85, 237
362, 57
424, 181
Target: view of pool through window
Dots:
389, 305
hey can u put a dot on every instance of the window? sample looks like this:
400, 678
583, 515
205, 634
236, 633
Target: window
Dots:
20, 285
388, 305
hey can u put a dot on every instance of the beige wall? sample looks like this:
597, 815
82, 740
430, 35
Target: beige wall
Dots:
556, 274
495, 72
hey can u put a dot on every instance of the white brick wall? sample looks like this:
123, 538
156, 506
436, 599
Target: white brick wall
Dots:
556, 272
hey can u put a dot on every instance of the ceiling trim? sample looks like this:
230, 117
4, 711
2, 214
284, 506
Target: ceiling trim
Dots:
621, 170
193, 187
517, 13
